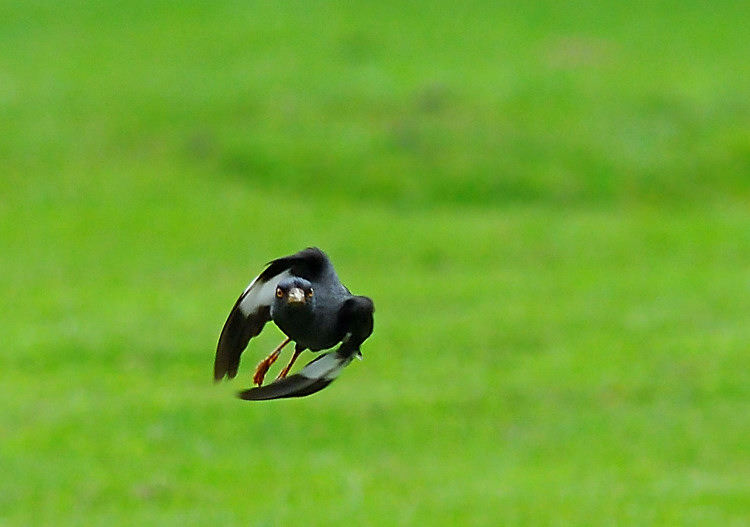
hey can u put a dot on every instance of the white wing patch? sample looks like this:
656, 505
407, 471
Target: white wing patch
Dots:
328, 367
259, 293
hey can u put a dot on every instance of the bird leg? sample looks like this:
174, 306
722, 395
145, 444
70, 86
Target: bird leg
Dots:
262, 368
288, 367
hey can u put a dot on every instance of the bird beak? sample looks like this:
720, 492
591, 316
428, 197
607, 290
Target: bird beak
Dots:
296, 296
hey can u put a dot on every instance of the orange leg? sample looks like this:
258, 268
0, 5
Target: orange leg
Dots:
288, 367
262, 368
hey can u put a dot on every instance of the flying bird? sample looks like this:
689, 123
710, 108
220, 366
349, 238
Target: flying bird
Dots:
303, 296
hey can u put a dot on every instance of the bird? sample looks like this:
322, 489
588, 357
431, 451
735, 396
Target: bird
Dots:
303, 296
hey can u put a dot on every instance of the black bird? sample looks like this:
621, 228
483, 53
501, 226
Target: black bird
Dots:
302, 294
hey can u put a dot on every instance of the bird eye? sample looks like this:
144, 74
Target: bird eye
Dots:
309, 293
279, 292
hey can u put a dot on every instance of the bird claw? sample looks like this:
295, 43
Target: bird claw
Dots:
262, 368
260, 372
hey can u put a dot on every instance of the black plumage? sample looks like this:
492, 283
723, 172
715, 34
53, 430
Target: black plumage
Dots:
304, 297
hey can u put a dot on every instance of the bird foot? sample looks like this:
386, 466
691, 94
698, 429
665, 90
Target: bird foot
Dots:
262, 368
283, 373
260, 371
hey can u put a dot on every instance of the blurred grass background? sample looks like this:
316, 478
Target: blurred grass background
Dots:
547, 201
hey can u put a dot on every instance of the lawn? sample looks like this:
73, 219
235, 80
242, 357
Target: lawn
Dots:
549, 204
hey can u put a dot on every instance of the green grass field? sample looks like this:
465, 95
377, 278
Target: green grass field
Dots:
549, 204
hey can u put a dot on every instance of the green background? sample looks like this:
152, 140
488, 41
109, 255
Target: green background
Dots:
547, 201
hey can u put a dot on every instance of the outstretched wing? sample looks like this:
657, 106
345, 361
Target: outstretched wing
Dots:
253, 308
357, 317
246, 320
318, 374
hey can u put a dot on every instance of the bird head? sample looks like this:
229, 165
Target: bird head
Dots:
295, 292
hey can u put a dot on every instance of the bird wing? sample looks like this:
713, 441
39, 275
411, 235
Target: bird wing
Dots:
356, 319
318, 374
246, 320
